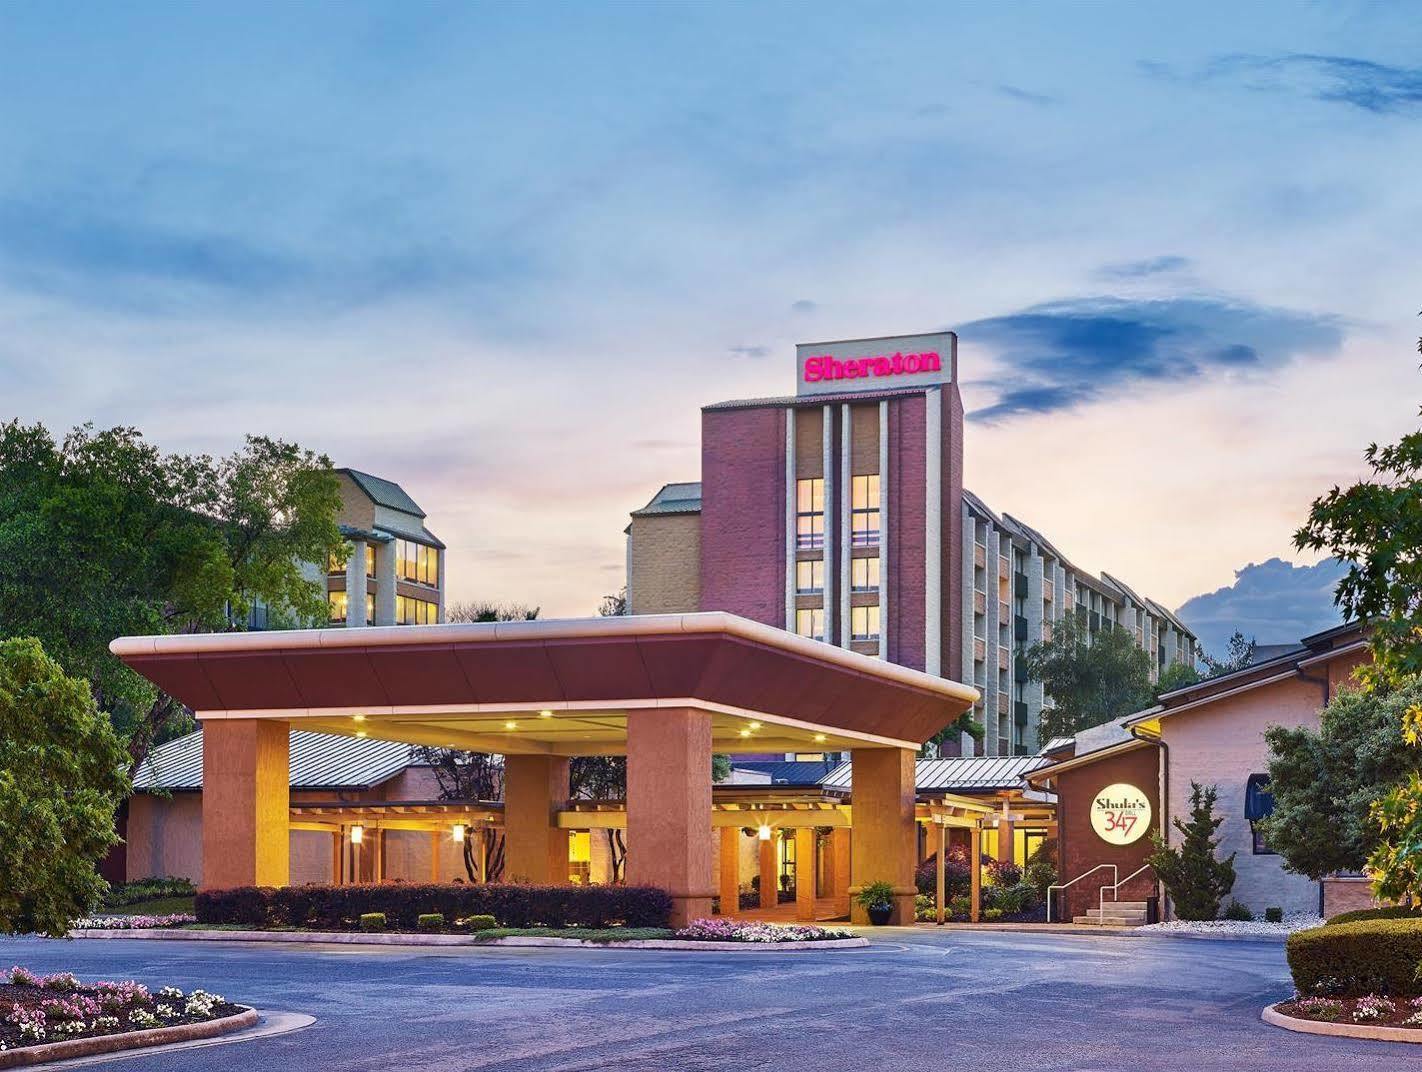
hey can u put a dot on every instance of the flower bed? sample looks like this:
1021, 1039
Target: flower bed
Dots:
36, 1009
1371, 1010
735, 930
132, 923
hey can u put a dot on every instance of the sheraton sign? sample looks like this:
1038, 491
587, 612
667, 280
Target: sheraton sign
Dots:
876, 364
1120, 814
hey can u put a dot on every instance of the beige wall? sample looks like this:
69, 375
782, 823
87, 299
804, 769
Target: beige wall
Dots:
1222, 744
165, 836
665, 564
357, 509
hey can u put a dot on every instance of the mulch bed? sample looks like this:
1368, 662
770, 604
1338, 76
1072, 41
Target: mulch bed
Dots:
1370, 1011
18, 1001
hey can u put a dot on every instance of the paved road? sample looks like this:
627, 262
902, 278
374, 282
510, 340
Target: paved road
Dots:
915, 1000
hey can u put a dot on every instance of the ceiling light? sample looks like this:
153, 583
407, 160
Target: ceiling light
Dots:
510, 725
361, 733
755, 725
745, 733
821, 737
357, 834
357, 718
545, 714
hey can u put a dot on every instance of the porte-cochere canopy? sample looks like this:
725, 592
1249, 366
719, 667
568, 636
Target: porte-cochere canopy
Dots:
666, 690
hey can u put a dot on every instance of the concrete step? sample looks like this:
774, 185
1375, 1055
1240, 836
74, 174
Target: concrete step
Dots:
1129, 913
1133, 906
1096, 920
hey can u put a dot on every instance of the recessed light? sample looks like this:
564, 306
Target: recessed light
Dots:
360, 733
510, 725
755, 725
545, 714
745, 733
357, 718
820, 737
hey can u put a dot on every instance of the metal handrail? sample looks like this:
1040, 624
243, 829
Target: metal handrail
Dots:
1064, 885
1115, 890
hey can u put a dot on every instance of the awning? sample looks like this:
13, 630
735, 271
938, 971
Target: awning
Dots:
1258, 801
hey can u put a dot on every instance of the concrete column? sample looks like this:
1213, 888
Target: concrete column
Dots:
975, 869
669, 806
245, 803
1004, 835
883, 833
730, 877
805, 874
535, 790
337, 843
769, 871
385, 583
839, 869
355, 585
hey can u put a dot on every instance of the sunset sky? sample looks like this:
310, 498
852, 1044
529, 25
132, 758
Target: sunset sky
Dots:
502, 254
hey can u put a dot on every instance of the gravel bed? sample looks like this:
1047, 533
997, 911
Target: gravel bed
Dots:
1254, 929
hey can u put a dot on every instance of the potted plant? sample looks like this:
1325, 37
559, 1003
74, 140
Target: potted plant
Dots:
877, 900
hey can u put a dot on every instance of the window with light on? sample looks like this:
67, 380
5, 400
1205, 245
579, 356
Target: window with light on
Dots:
810, 512
864, 574
810, 622
810, 576
864, 623
864, 510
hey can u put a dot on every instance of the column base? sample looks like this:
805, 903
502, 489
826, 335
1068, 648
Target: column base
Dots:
686, 907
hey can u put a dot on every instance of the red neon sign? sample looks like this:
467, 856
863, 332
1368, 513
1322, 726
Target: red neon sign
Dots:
825, 367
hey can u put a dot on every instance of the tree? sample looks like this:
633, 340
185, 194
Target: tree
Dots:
487, 611
1091, 677
1325, 783
1194, 878
1175, 676
472, 776
1239, 655
102, 535
1375, 526
614, 606
61, 780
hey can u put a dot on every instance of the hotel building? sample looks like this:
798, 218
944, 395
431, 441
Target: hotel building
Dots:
395, 563
839, 513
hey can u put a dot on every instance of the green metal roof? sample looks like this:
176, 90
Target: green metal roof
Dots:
384, 492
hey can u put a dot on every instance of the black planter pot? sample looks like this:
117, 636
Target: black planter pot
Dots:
879, 914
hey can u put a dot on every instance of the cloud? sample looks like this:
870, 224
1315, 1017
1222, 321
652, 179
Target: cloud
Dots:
751, 351
1275, 602
1143, 268
1373, 87
1025, 96
804, 305
1068, 353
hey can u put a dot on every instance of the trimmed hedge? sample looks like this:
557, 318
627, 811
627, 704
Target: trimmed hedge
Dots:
1370, 956
512, 905
1391, 912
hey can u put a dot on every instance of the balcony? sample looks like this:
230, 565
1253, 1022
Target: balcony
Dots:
1003, 703
1019, 628
1004, 613
1002, 658
979, 649
979, 602
980, 556
1019, 713
1049, 591
1019, 585
1004, 568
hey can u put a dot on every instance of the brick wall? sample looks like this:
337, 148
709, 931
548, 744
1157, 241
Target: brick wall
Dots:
743, 513
906, 530
665, 564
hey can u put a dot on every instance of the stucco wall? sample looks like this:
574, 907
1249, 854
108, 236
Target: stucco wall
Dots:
1222, 744
165, 836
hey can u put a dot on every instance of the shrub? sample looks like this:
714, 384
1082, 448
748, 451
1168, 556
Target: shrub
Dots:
876, 895
1390, 912
479, 923
1039, 874
957, 875
1194, 878
1371, 956
146, 889
1238, 912
1009, 899
430, 921
372, 921
1273, 914
992, 915
1003, 873
512, 905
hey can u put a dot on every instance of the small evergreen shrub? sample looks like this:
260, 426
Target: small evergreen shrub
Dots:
992, 915
430, 921
1370, 956
1194, 878
479, 923
1238, 912
1274, 914
372, 921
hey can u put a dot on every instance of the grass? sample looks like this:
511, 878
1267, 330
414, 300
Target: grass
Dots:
158, 906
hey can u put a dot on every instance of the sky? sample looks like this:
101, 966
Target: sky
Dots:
503, 253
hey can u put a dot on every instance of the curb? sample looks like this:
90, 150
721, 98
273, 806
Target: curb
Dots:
461, 940
1072, 929
128, 1040
1272, 1015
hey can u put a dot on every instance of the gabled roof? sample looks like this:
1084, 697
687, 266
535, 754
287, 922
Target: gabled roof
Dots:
384, 492
962, 774
786, 772
682, 498
318, 761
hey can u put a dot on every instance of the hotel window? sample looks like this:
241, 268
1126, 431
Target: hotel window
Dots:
334, 564
810, 577
370, 608
864, 623
417, 562
810, 512
864, 574
337, 603
370, 560
864, 516
411, 611
810, 622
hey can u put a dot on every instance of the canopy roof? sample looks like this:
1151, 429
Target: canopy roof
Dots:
561, 687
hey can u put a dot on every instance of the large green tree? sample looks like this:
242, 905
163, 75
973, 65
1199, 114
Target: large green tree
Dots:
1325, 782
1091, 677
1375, 526
102, 534
61, 779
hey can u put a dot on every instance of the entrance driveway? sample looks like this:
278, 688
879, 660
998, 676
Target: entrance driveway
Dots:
916, 999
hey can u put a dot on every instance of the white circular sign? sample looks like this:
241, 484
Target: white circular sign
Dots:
1120, 814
